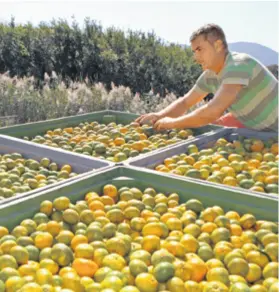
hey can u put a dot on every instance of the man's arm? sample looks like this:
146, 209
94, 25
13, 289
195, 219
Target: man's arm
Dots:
182, 104
177, 108
206, 114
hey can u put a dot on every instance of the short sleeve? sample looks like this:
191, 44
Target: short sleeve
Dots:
201, 84
238, 73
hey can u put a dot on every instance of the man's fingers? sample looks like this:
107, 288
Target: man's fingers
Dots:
153, 120
141, 119
138, 120
145, 119
156, 125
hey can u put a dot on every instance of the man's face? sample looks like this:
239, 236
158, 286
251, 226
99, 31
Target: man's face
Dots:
204, 53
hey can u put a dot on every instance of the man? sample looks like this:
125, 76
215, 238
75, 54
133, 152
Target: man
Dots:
240, 83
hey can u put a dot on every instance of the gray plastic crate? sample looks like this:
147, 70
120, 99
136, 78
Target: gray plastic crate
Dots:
150, 160
40, 128
81, 164
262, 206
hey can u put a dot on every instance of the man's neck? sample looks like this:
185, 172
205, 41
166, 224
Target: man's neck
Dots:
221, 65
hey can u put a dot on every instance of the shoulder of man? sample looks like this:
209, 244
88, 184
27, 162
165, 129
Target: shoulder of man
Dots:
248, 63
241, 57
236, 59
238, 68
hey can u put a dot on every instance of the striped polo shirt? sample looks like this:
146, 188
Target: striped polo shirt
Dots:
256, 105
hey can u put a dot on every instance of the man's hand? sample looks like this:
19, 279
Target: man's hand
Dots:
152, 117
164, 123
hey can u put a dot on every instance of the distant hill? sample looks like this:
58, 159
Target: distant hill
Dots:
264, 54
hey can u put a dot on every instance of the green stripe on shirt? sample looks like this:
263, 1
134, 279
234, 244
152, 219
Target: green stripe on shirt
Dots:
241, 102
264, 114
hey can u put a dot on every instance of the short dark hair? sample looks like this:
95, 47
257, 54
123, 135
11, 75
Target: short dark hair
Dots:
211, 32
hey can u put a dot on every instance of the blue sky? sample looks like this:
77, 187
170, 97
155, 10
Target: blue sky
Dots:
252, 21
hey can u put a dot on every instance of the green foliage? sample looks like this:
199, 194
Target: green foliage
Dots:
140, 61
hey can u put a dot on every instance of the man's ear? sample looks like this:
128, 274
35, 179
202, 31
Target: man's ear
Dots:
218, 45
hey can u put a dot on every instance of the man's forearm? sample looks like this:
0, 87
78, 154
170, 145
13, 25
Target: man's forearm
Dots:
206, 114
181, 105
198, 118
175, 109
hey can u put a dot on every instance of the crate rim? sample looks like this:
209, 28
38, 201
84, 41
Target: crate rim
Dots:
120, 174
